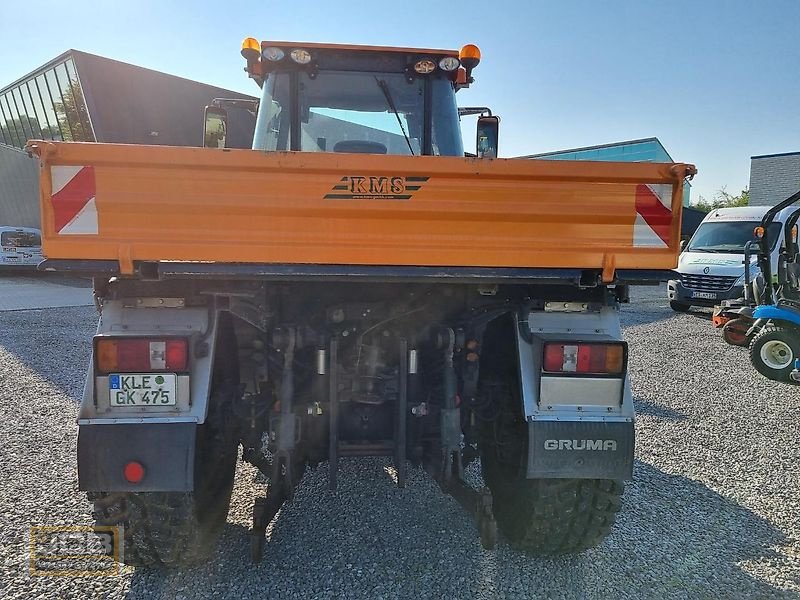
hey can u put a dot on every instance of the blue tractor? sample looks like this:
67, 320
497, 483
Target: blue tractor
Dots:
775, 333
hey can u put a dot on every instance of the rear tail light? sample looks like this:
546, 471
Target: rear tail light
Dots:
606, 358
131, 355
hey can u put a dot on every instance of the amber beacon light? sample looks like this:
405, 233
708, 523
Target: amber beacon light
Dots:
470, 56
251, 49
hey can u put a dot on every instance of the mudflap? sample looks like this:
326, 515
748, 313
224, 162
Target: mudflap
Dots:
580, 449
165, 450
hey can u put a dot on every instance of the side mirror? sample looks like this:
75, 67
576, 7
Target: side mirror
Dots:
684, 243
215, 127
488, 133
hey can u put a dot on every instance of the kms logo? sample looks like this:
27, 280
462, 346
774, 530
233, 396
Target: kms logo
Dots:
361, 187
609, 445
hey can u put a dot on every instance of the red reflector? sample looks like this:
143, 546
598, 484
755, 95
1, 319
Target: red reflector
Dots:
133, 472
177, 355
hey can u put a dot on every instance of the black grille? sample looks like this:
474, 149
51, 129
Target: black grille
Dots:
708, 283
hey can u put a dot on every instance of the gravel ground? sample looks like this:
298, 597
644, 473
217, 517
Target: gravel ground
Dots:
713, 512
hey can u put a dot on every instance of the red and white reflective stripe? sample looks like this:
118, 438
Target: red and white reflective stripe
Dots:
73, 200
653, 215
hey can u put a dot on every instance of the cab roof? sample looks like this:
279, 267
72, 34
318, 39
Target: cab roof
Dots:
358, 48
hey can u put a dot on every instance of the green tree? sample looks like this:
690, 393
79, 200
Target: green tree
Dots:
723, 199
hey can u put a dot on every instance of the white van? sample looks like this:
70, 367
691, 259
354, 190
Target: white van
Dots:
711, 267
21, 247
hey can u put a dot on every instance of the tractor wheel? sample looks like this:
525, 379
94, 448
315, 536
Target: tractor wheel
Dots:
735, 332
773, 352
679, 306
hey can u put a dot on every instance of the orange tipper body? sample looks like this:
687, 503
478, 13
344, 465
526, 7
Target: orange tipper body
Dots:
140, 203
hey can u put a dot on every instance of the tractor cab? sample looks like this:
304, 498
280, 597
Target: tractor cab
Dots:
358, 100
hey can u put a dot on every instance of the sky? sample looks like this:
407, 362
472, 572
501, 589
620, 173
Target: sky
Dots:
717, 81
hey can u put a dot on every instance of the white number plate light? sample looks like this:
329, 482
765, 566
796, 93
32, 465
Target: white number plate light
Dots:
142, 389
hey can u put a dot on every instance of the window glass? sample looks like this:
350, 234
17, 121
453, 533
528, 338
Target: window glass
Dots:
47, 101
446, 129
31, 117
4, 132
21, 116
72, 104
358, 112
12, 121
41, 116
11, 131
20, 239
272, 124
729, 236
355, 112
58, 105
80, 102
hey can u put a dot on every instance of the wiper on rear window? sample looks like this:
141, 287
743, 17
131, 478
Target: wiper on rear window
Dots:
388, 95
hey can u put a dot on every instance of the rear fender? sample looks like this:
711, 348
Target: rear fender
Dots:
578, 427
163, 441
777, 313
198, 324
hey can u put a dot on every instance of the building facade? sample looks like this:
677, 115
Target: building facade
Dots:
774, 177
85, 98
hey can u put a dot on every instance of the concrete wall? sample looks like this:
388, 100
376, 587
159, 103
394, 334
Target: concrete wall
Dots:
774, 178
19, 188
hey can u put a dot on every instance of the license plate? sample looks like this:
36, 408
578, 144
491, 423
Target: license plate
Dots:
705, 295
142, 389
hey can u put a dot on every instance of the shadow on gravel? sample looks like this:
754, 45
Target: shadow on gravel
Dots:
674, 538
53, 342
644, 407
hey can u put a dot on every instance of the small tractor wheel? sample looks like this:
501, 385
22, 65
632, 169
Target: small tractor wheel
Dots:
773, 352
679, 306
735, 332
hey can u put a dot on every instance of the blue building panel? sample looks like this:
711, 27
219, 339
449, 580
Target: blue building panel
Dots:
647, 150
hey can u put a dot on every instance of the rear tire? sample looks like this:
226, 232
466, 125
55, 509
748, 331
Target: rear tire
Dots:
175, 529
541, 516
679, 306
773, 352
553, 516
